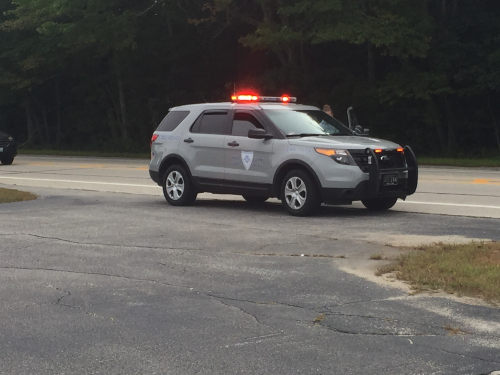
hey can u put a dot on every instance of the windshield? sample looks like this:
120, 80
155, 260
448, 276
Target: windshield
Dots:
304, 123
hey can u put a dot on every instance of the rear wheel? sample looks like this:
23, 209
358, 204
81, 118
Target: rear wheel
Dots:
256, 199
177, 187
7, 160
299, 193
381, 204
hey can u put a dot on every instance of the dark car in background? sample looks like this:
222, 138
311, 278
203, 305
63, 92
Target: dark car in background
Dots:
8, 149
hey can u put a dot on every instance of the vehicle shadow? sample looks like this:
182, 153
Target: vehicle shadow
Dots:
276, 208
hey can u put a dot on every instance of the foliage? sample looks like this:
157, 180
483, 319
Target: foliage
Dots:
101, 74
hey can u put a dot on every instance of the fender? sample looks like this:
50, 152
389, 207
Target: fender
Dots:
278, 174
168, 160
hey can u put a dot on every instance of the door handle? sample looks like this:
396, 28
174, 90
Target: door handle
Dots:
189, 140
233, 144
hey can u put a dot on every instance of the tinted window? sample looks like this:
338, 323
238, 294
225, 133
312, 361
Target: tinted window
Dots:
243, 122
211, 123
172, 120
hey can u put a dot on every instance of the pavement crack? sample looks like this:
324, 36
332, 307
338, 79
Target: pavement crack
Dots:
258, 302
67, 294
240, 309
457, 354
108, 244
82, 273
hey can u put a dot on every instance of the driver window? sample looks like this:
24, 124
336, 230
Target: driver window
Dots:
243, 122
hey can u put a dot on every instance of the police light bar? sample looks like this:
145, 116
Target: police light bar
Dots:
268, 99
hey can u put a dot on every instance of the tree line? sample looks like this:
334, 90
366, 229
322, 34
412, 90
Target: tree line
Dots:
101, 74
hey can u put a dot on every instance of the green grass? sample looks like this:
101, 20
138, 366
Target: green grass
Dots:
460, 162
11, 195
134, 155
471, 269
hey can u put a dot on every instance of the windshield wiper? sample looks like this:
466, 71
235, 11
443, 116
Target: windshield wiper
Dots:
307, 135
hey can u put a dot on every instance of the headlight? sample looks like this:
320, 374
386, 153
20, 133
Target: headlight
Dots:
340, 156
11, 139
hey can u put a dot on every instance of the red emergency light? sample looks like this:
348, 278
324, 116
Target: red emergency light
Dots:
242, 98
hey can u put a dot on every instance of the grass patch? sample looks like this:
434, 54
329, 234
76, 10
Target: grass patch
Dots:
319, 318
376, 256
460, 162
471, 269
11, 195
133, 155
453, 331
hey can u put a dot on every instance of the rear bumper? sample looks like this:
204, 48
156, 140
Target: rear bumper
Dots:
8, 150
373, 188
155, 176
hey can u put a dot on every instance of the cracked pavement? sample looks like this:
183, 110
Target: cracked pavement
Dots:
100, 283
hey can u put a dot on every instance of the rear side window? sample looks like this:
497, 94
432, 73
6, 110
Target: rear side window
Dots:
211, 123
172, 120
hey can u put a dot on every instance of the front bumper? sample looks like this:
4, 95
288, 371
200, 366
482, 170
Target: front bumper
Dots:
373, 188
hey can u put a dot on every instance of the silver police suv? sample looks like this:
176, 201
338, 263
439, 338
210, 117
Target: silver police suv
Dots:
262, 147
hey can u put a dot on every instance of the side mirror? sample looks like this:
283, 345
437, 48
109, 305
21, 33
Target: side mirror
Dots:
358, 130
259, 134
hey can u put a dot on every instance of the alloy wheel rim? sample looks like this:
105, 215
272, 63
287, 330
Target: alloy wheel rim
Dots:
175, 185
295, 193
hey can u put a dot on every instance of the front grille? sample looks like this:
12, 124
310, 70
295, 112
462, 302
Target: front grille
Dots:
387, 159
4, 142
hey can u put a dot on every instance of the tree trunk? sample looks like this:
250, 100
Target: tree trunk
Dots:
123, 106
29, 123
46, 126
496, 129
58, 114
371, 64
42, 126
112, 111
433, 113
451, 148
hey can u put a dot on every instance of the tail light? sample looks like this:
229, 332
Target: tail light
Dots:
153, 138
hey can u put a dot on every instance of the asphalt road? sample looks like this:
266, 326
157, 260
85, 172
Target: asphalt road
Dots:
101, 276
450, 191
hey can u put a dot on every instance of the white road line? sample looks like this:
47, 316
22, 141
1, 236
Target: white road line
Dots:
74, 181
451, 204
156, 187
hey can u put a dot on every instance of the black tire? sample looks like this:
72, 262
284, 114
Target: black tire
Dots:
299, 193
381, 204
177, 187
7, 160
255, 199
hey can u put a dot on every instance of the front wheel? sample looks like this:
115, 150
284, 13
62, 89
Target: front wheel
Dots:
177, 187
381, 204
299, 193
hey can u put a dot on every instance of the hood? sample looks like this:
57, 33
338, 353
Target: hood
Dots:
348, 142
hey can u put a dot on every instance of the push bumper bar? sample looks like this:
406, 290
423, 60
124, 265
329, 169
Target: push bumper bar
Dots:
373, 187
370, 189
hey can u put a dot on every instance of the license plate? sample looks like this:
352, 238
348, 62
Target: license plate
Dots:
390, 180
1, 149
